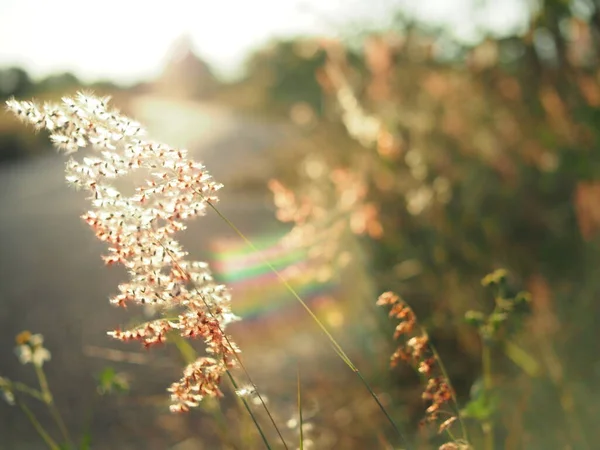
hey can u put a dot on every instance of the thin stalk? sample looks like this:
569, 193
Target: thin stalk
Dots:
289, 287
442, 368
488, 384
300, 421
223, 425
18, 386
223, 428
235, 354
49, 400
85, 442
257, 392
336, 346
38, 427
258, 427
188, 354
186, 351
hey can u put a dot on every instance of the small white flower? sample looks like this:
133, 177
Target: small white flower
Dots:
229, 317
36, 340
246, 391
8, 396
5, 391
33, 351
24, 353
40, 355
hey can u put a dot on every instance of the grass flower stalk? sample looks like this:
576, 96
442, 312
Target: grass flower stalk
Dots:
140, 228
334, 343
52, 445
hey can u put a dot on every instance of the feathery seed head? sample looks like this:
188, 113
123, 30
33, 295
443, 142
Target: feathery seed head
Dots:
139, 229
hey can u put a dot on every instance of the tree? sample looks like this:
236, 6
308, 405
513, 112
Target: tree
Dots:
14, 81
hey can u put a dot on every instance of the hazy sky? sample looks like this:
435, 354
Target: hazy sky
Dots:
127, 40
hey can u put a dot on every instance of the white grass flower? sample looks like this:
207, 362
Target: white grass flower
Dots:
6, 392
139, 231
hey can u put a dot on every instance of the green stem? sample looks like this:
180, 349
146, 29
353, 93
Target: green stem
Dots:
222, 424
38, 427
245, 402
188, 355
49, 400
300, 419
262, 401
336, 346
235, 354
18, 386
488, 384
442, 367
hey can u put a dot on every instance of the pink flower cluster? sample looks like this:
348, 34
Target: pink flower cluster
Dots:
139, 230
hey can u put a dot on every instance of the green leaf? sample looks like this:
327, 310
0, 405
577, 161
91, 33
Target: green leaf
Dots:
187, 352
482, 405
86, 441
522, 359
523, 298
474, 318
109, 381
480, 409
495, 278
497, 319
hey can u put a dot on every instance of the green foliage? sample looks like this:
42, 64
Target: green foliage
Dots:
14, 82
62, 82
498, 144
109, 381
482, 404
287, 70
86, 440
506, 307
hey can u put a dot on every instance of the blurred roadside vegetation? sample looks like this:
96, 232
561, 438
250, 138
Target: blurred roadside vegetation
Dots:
473, 157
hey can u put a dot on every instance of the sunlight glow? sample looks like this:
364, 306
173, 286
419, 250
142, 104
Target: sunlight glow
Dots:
127, 40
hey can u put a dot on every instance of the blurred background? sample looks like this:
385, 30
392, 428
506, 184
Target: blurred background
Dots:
405, 146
